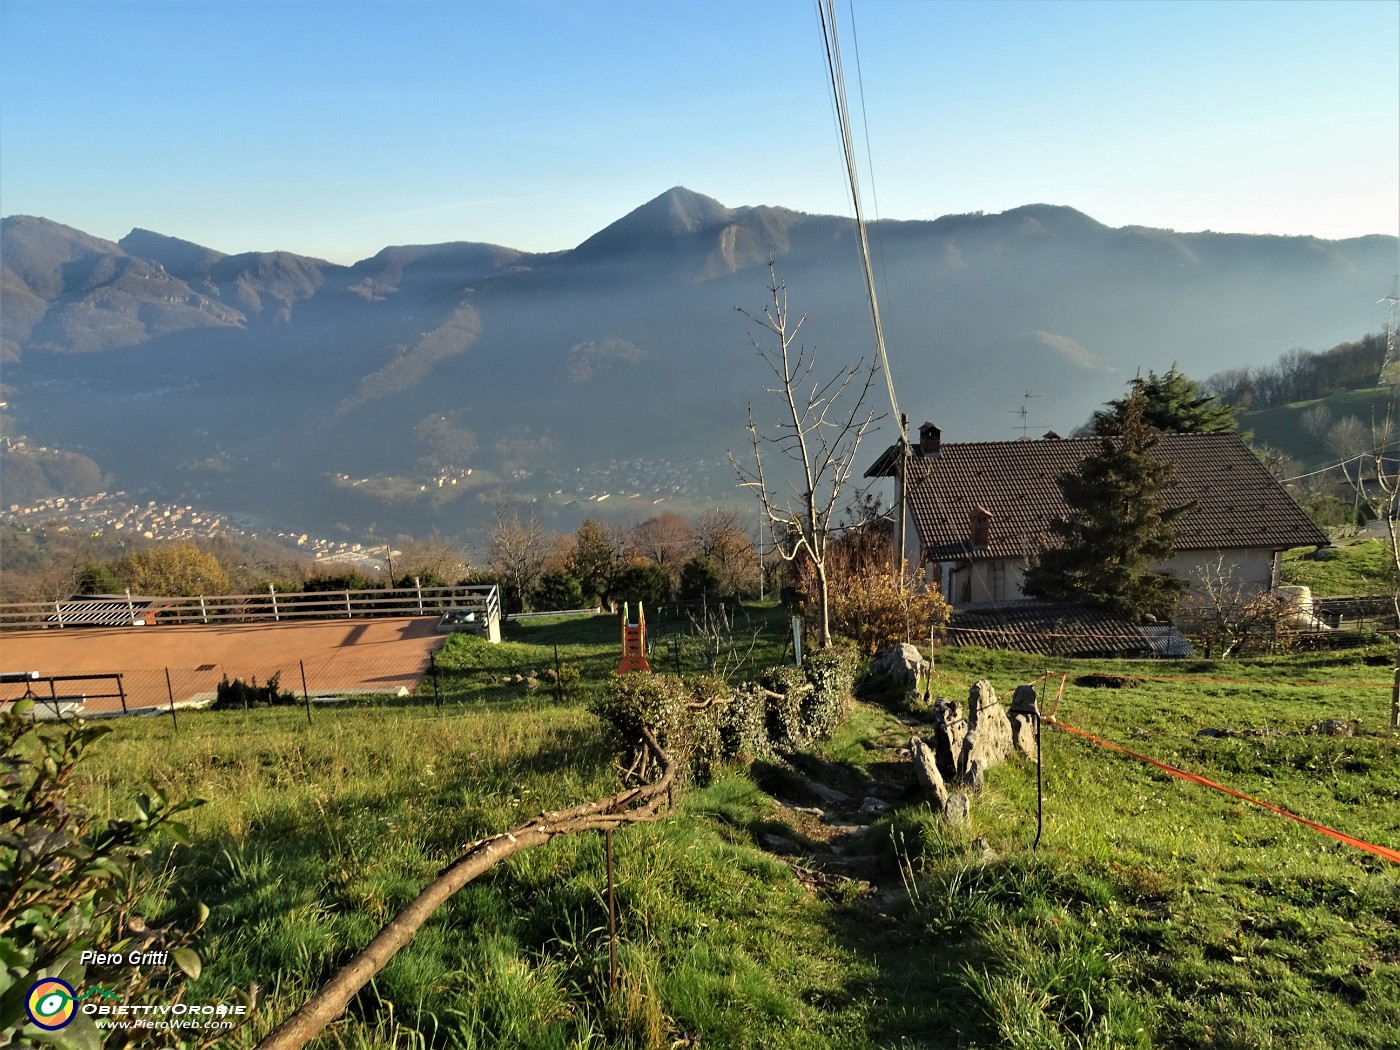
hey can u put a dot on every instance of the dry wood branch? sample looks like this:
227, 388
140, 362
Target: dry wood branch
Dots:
628, 806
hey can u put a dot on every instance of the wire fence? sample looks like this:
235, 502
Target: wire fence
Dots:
152, 690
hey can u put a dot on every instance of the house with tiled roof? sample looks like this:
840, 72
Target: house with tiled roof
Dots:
977, 510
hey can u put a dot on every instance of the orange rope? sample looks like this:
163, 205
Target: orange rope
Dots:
1383, 852
1255, 681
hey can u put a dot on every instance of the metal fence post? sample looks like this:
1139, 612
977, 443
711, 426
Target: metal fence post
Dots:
169, 691
304, 694
1395, 702
418, 586
273, 591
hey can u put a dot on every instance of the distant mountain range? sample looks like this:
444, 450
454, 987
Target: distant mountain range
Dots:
412, 389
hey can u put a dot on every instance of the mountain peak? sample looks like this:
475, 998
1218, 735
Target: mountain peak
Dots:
183, 259
678, 212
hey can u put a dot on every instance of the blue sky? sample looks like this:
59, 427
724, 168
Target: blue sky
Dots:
334, 129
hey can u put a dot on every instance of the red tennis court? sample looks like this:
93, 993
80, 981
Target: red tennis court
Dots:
337, 656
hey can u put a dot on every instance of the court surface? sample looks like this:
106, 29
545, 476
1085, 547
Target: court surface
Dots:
336, 656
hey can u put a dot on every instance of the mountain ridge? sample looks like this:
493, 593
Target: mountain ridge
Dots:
274, 374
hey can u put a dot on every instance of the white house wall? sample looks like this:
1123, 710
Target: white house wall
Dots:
1001, 580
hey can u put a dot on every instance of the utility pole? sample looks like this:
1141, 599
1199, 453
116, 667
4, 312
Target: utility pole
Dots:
1390, 325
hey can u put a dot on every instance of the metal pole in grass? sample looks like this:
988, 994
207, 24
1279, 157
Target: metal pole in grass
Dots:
304, 694
432, 663
558, 676
612, 916
1039, 777
1395, 703
1039, 785
170, 692
121, 690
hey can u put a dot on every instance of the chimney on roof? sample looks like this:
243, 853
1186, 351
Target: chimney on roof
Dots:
930, 440
980, 527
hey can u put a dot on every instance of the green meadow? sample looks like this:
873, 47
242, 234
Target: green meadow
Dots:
1153, 913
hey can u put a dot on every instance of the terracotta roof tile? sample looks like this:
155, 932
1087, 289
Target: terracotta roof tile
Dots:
1062, 629
1237, 503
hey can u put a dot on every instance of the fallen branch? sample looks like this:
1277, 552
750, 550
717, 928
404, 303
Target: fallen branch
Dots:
629, 806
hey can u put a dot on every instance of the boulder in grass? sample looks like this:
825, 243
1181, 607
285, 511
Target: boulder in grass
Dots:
898, 668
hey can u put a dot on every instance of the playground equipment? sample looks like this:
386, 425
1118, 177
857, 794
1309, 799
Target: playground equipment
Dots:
634, 643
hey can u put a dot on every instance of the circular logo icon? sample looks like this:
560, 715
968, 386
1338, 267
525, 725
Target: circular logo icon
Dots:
51, 1003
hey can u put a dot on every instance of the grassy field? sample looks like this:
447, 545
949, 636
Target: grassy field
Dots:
1282, 427
1155, 913
1349, 567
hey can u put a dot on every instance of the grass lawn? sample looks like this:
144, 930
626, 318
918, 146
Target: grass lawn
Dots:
1282, 427
1355, 567
1154, 913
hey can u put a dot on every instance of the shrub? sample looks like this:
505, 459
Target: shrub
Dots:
743, 724
558, 590
707, 722
874, 611
809, 701
69, 883
657, 702
643, 581
700, 578
240, 694
832, 674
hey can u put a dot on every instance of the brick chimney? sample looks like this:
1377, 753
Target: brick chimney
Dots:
980, 527
930, 440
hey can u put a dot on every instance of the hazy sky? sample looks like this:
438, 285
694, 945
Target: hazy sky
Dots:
336, 128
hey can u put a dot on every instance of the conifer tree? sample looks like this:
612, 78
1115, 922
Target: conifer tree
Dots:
1102, 551
1174, 404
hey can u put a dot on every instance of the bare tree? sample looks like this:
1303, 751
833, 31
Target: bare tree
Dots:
518, 551
434, 558
722, 536
820, 426
1230, 617
666, 539
1374, 474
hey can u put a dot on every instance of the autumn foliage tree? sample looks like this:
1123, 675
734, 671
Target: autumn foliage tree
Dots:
172, 570
870, 604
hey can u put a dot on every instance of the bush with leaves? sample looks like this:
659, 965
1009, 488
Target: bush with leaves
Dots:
807, 703
743, 723
658, 702
831, 674
240, 695
71, 883
559, 589
875, 612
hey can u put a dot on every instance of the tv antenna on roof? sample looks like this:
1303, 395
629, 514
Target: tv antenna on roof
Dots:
1024, 412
